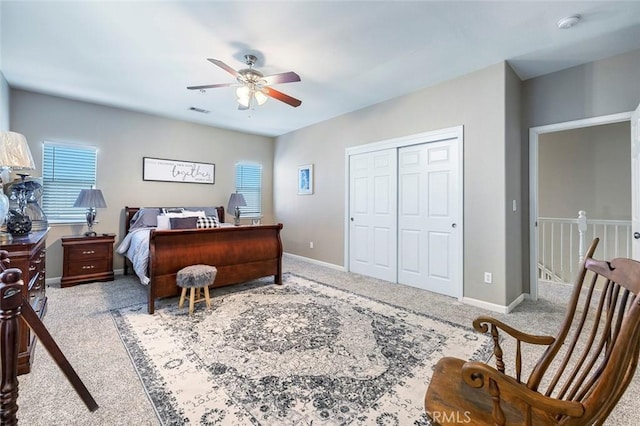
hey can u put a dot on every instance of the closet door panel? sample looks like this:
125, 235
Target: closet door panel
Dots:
373, 214
427, 217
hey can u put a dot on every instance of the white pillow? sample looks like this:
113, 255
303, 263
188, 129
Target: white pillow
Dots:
163, 222
163, 219
196, 213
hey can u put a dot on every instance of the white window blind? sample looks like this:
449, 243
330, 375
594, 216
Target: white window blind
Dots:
66, 169
249, 184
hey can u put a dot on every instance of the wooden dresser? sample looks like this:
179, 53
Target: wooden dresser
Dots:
87, 259
28, 254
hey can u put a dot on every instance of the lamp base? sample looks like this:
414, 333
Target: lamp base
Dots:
236, 216
91, 218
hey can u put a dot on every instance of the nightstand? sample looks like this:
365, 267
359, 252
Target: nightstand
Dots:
87, 259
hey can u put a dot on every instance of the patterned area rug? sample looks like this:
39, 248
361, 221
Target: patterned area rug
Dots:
303, 353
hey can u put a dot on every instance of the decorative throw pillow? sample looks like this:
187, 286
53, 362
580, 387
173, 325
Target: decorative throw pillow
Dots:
172, 209
190, 213
208, 211
163, 222
144, 218
207, 222
183, 222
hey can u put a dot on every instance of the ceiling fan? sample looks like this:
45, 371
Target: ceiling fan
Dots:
252, 85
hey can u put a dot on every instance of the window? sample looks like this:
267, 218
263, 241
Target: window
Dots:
66, 169
249, 184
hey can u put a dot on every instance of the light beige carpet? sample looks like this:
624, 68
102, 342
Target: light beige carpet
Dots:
81, 322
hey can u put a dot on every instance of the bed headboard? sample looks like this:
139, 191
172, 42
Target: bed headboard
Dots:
130, 211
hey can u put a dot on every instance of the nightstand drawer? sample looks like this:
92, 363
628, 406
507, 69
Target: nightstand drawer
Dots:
89, 251
89, 266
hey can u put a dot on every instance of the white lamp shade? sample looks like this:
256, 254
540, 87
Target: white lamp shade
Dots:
261, 98
14, 151
244, 95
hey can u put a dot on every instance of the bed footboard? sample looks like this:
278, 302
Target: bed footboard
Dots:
240, 253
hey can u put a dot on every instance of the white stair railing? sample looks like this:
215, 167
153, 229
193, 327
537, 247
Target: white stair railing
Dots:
562, 243
582, 230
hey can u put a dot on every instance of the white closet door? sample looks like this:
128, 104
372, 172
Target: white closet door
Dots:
373, 214
428, 186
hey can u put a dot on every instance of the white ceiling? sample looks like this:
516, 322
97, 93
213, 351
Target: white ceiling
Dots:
141, 55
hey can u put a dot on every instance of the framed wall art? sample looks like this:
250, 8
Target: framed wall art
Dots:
160, 169
305, 180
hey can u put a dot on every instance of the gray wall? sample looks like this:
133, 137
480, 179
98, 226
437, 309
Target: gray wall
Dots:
4, 103
4, 89
513, 174
476, 101
598, 88
585, 169
123, 138
496, 116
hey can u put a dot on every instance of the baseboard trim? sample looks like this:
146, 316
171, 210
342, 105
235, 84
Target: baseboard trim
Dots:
56, 280
493, 306
52, 280
316, 262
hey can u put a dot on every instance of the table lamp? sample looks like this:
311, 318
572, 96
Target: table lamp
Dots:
235, 201
14, 155
92, 199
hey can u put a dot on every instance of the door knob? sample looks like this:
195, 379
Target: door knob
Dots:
352, 221
636, 235
453, 225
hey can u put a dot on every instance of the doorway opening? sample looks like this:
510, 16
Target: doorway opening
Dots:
557, 194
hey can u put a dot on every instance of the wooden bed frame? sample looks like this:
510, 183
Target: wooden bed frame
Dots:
240, 253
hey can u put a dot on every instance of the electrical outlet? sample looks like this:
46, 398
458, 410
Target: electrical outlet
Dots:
310, 244
488, 277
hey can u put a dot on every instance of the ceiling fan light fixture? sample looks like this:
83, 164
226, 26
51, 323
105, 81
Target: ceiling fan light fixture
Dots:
243, 93
261, 98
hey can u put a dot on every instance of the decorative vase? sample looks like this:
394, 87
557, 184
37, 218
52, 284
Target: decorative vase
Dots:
18, 224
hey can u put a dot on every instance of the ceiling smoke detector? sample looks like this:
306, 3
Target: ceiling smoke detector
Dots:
569, 22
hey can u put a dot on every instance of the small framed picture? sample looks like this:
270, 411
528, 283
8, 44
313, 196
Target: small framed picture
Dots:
305, 180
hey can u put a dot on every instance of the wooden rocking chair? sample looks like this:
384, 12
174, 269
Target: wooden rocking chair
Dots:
584, 369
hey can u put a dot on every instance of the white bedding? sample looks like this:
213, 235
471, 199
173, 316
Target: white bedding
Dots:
136, 247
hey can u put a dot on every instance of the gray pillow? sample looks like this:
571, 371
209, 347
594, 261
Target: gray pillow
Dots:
183, 222
144, 218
